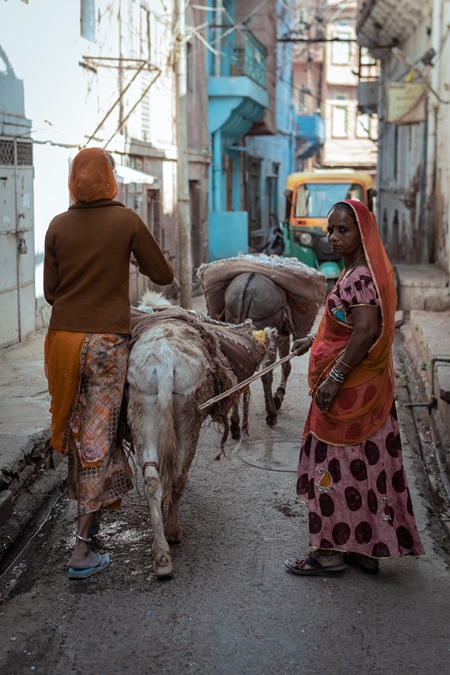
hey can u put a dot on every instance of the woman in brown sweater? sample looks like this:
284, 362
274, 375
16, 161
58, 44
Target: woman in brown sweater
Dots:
86, 280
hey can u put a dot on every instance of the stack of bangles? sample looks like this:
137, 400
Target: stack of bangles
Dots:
337, 375
311, 336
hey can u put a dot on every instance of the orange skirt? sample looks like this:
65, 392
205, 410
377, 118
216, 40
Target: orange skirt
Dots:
86, 400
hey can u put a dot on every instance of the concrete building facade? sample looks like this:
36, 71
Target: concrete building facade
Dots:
101, 73
325, 65
412, 42
17, 295
252, 121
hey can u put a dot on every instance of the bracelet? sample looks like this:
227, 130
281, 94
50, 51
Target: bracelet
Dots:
337, 376
311, 336
344, 364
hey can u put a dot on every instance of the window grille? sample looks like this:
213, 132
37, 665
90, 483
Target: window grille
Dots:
24, 154
7, 153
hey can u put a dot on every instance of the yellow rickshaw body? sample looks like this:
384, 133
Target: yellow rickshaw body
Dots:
295, 181
309, 198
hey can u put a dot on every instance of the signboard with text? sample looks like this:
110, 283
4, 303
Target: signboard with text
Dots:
405, 102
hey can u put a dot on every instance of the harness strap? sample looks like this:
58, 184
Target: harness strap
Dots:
244, 383
155, 464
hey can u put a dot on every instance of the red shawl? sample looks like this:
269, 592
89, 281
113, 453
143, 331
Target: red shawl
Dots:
365, 399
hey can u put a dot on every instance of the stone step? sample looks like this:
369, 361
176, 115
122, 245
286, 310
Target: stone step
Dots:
422, 287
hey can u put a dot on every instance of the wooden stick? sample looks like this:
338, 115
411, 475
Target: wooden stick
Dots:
244, 383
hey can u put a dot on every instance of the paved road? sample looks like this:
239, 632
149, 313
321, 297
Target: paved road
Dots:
231, 608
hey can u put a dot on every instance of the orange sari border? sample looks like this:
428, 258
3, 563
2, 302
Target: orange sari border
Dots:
62, 357
364, 401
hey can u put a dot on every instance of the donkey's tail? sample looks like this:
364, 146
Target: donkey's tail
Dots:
167, 435
246, 300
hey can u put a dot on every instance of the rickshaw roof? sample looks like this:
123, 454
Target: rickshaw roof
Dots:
295, 179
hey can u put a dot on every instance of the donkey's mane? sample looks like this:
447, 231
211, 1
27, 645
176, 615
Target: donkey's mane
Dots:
152, 299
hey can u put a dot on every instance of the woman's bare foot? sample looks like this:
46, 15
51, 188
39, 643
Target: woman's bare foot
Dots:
82, 556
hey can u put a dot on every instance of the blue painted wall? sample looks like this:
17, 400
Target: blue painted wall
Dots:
235, 102
278, 149
228, 234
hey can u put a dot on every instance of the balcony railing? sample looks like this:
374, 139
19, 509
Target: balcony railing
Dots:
241, 54
250, 58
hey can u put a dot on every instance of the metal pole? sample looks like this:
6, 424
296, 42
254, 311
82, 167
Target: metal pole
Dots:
218, 39
183, 201
423, 193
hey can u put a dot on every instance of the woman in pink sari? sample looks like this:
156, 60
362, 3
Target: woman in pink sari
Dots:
350, 470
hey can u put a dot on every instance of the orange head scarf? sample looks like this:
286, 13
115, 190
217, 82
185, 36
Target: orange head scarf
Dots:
365, 399
92, 177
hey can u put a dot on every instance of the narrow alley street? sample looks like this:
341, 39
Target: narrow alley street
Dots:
231, 607
258, 152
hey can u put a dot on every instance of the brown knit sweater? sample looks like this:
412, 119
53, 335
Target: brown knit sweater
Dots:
87, 263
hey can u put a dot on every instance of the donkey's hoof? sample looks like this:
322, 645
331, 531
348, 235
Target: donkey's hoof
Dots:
174, 536
272, 419
163, 568
236, 433
279, 397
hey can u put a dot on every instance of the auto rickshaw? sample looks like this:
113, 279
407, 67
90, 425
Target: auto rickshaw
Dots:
309, 197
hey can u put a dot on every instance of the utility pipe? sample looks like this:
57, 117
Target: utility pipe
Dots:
217, 170
183, 200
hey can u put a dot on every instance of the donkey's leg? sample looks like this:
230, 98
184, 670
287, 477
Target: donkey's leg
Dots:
143, 419
267, 380
162, 562
283, 350
271, 411
188, 424
235, 422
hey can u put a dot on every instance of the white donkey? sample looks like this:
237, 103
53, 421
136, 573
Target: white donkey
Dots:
175, 364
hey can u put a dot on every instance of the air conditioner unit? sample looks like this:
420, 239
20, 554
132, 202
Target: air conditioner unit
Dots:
368, 93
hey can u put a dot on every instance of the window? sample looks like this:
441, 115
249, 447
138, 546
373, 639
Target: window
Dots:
6, 153
339, 122
87, 20
302, 102
362, 126
341, 51
366, 58
314, 200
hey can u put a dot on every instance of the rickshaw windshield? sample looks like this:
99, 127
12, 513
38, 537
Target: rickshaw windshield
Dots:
314, 200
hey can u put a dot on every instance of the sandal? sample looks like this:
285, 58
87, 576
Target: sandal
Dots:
293, 564
102, 563
364, 562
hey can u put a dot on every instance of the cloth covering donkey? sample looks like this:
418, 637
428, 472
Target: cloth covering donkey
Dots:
270, 291
179, 360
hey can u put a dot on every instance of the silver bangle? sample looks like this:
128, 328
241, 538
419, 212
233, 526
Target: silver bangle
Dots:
311, 336
337, 376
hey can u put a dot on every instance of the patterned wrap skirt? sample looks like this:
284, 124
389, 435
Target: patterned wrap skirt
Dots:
358, 495
99, 472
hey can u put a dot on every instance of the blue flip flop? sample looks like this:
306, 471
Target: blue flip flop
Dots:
102, 564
